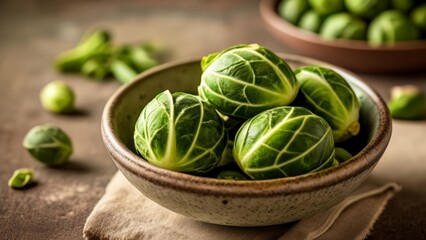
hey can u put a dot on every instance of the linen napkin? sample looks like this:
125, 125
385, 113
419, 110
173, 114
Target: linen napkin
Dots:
125, 213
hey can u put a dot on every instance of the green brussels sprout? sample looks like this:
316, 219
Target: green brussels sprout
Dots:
96, 68
341, 155
328, 95
21, 178
122, 71
310, 21
57, 97
245, 80
418, 17
402, 5
391, 26
292, 10
48, 144
343, 26
407, 102
327, 7
366, 8
283, 141
180, 132
95, 43
232, 175
141, 59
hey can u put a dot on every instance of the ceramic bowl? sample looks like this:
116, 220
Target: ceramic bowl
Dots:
353, 55
246, 202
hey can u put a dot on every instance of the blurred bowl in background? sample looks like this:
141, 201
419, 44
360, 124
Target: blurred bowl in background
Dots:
355, 55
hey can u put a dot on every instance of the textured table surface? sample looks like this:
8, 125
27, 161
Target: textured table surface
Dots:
33, 32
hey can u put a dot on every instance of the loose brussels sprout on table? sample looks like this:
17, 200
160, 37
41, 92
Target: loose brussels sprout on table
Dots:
48, 144
407, 102
327, 94
284, 141
180, 132
21, 178
343, 26
57, 97
245, 80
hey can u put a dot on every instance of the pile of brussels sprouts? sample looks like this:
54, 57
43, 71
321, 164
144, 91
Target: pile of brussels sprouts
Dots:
376, 21
253, 118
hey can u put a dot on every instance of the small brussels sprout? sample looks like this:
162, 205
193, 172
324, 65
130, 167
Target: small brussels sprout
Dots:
327, 7
418, 17
141, 59
310, 21
327, 94
232, 175
343, 26
96, 68
180, 132
402, 5
95, 43
245, 80
48, 144
283, 141
21, 178
341, 155
122, 71
292, 10
407, 102
57, 97
366, 8
391, 26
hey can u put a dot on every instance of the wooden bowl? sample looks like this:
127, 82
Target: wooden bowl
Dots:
244, 202
354, 55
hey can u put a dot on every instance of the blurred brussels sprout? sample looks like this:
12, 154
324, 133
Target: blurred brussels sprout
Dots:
57, 97
244, 80
97, 68
292, 10
366, 8
93, 44
402, 5
283, 141
327, 7
48, 144
21, 178
232, 175
391, 26
310, 21
341, 155
418, 17
407, 102
327, 94
343, 26
180, 132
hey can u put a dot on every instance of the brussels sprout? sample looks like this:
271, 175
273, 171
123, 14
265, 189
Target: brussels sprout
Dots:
402, 5
418, 17
57, 97
407, 102
180, 132
366, 8
233, 175
341, 155
310, 21
327, 7
292, 10
283, 141
96, 68
48, 144
95, 43
122, 71
327, 94
343, 26
21, 178
390, 27
244, 80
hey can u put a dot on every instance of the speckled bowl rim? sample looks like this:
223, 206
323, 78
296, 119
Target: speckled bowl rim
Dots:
365, 159
270, 16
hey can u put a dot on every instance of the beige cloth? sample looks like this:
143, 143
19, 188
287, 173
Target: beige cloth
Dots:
124, 213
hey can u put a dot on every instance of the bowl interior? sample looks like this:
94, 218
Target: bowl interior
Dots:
185, 77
